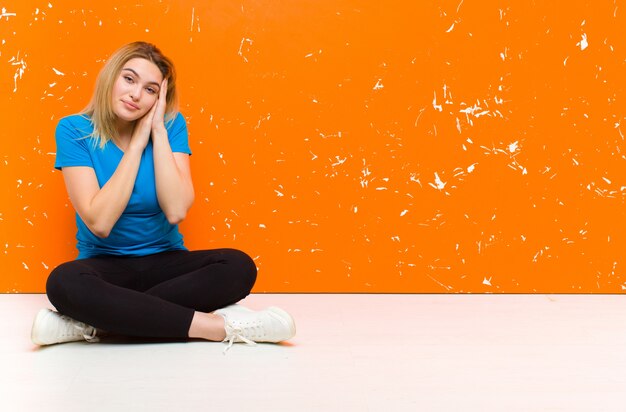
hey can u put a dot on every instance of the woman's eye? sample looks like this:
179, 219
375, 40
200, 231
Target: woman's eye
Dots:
128, 79
151, 90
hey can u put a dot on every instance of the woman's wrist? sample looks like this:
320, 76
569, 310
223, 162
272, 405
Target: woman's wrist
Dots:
134, 149
159, 130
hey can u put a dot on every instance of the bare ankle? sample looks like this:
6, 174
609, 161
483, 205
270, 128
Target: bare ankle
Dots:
207, 326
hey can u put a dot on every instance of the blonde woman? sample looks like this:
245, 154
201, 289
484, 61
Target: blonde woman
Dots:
125, 162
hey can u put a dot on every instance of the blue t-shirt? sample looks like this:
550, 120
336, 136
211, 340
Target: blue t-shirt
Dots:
142, 229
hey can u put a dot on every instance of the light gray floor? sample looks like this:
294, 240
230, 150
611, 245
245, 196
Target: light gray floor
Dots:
351, 353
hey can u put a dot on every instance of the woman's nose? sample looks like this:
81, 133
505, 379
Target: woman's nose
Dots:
135, 94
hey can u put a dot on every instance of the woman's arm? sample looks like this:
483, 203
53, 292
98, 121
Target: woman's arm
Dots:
171, 170
100, 208
173, 179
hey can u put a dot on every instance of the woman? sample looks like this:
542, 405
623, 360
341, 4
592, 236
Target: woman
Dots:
125, 162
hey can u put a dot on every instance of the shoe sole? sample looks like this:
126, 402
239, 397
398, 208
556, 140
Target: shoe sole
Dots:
286, 318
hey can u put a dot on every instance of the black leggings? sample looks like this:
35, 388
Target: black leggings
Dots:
150, 296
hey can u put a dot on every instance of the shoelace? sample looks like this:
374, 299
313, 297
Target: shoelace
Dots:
233, 333
88, 332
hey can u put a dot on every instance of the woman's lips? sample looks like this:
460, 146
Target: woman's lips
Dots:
130, 105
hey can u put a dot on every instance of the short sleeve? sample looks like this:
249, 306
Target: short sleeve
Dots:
72, 144
177, 135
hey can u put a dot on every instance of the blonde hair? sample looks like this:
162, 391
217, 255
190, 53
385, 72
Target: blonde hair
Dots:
100, 108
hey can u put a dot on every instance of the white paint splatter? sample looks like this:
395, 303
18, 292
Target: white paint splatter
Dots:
6, 14
21, 68
439, 184
540, 253
415, 179
487, 281
419, 115
365, 172
339, 161
436, 106
583, 43
472, 111
459, 6
513, 147
439, 283
504, 55
379, 85
248, 43
619, 130
262, 119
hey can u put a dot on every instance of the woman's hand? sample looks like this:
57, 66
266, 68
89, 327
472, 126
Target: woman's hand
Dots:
151, 121
171, 170
142, 129
160, 105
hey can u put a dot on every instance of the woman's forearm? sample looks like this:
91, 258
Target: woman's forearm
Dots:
173, 185
102, 211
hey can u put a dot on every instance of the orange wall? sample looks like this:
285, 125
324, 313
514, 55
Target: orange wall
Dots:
349, 146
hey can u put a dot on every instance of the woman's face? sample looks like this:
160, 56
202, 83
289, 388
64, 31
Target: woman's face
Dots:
136, 89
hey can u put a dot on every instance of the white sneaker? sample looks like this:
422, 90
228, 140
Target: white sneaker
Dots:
245, 325
51, 327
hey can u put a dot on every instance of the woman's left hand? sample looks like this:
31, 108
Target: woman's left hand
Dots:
161, 103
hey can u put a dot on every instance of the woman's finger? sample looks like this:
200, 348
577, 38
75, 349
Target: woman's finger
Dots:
163, 90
